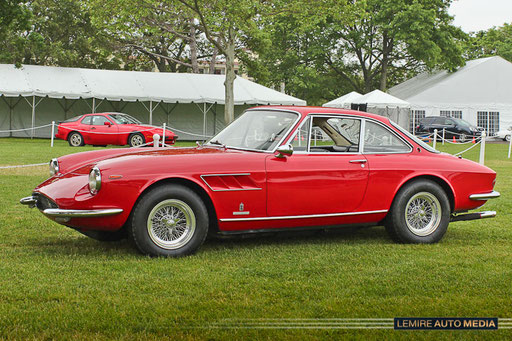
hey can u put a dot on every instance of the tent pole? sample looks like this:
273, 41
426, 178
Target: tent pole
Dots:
93, 105
150, 112
33, 116
11, 109
204, 119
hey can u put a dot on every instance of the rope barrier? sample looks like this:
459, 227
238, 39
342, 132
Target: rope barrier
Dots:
22, 166
468, 149
17, 130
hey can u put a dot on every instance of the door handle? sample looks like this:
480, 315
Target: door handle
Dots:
92, 128
358, 161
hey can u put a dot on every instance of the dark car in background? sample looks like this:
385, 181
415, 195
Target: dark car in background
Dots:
453, 127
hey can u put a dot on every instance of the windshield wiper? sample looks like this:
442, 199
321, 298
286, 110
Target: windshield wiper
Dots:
216, 142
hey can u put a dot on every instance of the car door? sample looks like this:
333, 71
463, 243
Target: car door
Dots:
386, 154
101, 133
326, 173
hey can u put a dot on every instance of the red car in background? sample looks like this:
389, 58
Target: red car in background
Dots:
101, 129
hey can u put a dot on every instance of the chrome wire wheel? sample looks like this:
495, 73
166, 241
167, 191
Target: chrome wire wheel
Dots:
136, 140
423, 214
171, 224
75, 140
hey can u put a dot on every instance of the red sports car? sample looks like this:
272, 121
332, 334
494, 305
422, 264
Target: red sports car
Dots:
274, 168
109, 128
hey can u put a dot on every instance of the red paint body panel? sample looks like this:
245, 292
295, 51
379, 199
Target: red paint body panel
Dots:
256, 190
113, 134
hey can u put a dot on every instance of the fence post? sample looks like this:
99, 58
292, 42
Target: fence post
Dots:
482, 148
443, 136
53, 132
156, 140
163, 137
435, 139
509, 146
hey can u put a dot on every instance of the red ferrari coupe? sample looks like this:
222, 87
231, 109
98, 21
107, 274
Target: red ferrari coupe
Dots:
274, 168
109, 128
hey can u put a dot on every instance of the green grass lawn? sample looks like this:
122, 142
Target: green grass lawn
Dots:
56, 283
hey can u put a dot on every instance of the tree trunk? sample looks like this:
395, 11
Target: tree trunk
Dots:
193, 47
213, 61
229, 107
386, 50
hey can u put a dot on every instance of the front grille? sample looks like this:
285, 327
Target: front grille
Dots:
43, 202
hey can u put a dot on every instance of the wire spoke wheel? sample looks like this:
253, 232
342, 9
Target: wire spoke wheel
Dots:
171, 224
423, 214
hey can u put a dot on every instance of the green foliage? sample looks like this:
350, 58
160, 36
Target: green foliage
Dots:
60, 33
13, 15
496, 41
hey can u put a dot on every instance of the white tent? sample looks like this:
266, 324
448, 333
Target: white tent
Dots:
480, 92
188, 102
376, 102
344, 101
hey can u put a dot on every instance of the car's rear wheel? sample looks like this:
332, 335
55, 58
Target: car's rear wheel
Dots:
170, 221
420, 213
136, 140
75, 139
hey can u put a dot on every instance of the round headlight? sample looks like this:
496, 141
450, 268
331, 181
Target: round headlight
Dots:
94, 180
54, 167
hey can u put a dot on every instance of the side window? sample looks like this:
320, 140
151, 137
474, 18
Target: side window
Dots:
301, 137
335, 134
378, 139
99, 120
439, 120
87, 120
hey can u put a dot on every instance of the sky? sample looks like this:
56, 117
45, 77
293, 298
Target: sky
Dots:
477, 15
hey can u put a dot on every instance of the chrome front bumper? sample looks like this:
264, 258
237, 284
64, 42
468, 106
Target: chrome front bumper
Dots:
62, 213
485, 196
473, 216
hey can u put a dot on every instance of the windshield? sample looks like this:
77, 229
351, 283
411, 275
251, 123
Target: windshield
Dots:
464, 124
256, 130
414, 138
124, 119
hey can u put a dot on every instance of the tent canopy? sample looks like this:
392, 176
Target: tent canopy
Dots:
377, 98
130, 86
344, 101
481, 82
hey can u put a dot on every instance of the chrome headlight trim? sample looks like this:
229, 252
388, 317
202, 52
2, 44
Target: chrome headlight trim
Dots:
94, 180
54, 167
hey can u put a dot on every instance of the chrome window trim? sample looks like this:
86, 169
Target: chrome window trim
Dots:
329, 115
292, 126
307, 216
227, 190
411, 148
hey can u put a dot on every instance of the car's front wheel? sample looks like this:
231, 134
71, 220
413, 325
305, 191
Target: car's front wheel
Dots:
507, 138
136, 140
420, 213
75, 139
170, 221
463, 137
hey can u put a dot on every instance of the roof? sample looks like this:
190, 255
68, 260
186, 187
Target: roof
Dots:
382, 99
344, 100
72, 83
484, 81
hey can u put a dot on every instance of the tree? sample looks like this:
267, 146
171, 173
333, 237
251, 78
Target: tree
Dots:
228, 24
496, 41
59, 32
13, 14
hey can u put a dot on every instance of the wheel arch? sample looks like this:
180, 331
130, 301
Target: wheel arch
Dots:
195, 187
440, 181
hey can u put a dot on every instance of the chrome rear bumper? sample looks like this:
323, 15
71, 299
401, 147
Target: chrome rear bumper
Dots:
485, 196
473, 216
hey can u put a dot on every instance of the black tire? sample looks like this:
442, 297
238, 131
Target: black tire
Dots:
419, 198
136, 139
170, 221
106, 236
75, 139
507, 138
462, 137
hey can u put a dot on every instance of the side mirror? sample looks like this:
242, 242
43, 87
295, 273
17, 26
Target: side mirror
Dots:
107, 123
285, 150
